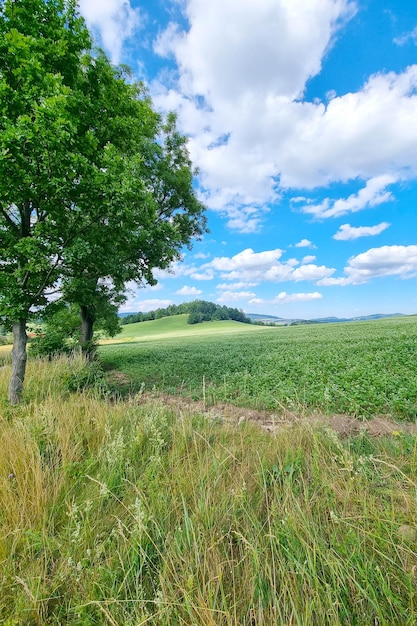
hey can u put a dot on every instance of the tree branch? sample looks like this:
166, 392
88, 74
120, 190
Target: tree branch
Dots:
9, 220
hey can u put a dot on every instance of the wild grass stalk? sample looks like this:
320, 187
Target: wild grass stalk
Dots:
133, 513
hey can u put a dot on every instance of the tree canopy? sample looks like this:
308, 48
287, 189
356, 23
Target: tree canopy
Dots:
96, 187
198, 311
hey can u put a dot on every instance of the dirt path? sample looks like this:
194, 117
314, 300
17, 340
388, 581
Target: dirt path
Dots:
267, 420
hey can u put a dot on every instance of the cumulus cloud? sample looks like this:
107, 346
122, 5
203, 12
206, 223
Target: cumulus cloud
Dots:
259, 67
384, 261
202, 255
264, 55
135, 305
374, 193
234, 296
308, 259
304, 243
236, 286
113, 20
247, 260
311, 272
266, 46
266, 266
398, 261
257, 301
189, 291
347, 232
284, 298
181, 268
375, 133
207, 275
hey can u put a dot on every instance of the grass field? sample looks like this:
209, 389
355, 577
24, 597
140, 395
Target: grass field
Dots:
361, 369
129, 512
176, 326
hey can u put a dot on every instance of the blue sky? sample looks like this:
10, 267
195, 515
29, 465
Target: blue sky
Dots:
302, 120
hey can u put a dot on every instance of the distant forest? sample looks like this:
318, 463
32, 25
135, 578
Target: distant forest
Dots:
198, 311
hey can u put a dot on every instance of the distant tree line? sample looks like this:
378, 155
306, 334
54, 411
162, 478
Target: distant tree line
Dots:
198, 311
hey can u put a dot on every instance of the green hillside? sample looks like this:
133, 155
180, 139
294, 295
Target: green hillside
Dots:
354, 368
176, 326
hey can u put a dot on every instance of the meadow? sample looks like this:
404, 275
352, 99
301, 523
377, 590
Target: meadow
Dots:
360, 369
121, 509
129, 512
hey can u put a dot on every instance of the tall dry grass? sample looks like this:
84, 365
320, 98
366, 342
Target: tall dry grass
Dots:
131, 513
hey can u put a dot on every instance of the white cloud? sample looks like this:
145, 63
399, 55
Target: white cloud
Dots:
236, 286
135, 305
247, 260
311, 272
189, 291
202, 255
235, 296
257, 301
256, 267
254, 135
157, 287
207, 275
304, 243
308, 259
175, 270
347, 232
245, 219
284, 298
373, 194
264, 55
114, 20
403, 39
267, 46
332, 282
375, 263
384, 261
375, 129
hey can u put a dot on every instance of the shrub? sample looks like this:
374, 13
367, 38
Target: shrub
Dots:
50, 344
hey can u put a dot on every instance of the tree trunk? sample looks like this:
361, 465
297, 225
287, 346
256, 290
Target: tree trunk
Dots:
87, 329
19, 358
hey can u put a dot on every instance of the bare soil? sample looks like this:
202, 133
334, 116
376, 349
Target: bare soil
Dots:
344, 425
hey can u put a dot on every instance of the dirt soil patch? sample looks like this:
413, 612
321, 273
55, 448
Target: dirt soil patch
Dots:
272, 422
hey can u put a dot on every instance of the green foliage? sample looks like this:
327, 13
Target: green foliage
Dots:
130, 513
5, 337
88, 375
198, 310
41, 159
50, 344
96, 187
196, 317
59, 334
361, 368
201, 311
172, 309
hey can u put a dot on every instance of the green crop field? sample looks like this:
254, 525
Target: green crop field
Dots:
140, 511
358, 368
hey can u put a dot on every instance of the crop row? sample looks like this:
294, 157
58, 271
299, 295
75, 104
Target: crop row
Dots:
361, 369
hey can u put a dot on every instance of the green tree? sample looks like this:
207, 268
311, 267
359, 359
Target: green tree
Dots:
58, 334
95, 187
148, 210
